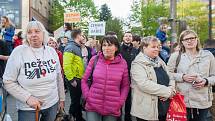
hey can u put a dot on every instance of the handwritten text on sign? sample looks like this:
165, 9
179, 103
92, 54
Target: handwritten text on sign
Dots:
96, 28
72, 17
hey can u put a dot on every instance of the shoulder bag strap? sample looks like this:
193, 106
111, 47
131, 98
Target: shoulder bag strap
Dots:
94, 64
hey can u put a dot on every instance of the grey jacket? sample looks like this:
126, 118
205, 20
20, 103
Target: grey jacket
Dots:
204, 66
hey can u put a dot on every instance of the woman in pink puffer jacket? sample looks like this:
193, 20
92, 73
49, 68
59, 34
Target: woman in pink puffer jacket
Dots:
110, 85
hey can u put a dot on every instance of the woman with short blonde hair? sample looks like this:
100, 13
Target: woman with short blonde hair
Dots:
150, 83
33, 76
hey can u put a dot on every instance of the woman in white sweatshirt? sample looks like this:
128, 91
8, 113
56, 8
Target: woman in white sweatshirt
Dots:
33, 76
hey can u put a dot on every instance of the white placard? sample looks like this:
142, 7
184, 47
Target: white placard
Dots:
58, 32
96, 28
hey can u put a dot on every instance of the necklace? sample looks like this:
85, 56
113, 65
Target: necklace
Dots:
40, 61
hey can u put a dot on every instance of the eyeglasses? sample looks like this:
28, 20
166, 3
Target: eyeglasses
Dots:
191, 38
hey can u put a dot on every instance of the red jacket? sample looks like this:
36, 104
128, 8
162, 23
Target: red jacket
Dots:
60, 55
110, 86
17, 42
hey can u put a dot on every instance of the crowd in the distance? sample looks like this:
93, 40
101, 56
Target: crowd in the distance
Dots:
110, 79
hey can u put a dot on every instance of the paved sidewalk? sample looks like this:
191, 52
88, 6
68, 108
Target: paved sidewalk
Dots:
11, 106
13, 111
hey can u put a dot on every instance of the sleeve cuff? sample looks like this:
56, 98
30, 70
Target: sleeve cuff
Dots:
62, 99
25, 98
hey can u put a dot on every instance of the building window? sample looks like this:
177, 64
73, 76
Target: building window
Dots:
12, 9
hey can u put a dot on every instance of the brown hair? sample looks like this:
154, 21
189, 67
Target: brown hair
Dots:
75, 33
7, 21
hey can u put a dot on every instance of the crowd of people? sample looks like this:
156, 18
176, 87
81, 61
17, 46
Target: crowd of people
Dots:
108, 79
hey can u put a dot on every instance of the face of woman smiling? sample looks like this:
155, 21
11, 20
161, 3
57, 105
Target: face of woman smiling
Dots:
109, 50
190, 41
35, 37
152, 50
52, 43
3, 21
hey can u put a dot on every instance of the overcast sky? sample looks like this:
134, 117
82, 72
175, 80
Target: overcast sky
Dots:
119, 8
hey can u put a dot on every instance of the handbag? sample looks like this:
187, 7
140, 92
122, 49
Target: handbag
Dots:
62, 116
177, 109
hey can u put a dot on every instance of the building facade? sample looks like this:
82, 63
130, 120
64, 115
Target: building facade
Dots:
21, 12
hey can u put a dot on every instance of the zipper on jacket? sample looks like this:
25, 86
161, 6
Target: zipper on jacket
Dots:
154, 106
188, 97
209, 93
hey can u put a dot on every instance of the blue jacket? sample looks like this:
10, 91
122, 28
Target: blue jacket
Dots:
9, 33
161, 35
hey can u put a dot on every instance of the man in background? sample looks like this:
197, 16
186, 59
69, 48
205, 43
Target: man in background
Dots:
128, 53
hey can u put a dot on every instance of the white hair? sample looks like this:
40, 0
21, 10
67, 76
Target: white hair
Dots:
53, 39
39, 26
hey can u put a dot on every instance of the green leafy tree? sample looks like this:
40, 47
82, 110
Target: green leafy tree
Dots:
105, 13
147, 13
87, 10
137, 30
56, 15
116, 26
196, 15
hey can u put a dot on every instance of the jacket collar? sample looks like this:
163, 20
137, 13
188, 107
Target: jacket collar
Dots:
125, 46
75, 43
117, 58
146, 60
198, 57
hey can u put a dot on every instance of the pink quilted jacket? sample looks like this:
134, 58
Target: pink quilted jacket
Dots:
110, 86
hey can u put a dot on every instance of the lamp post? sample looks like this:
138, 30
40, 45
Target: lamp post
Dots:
210, 20
172, 20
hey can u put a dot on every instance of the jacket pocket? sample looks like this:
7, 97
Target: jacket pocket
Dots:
199, 95
142, 103
89, 94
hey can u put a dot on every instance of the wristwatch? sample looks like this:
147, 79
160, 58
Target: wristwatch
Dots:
206, 83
